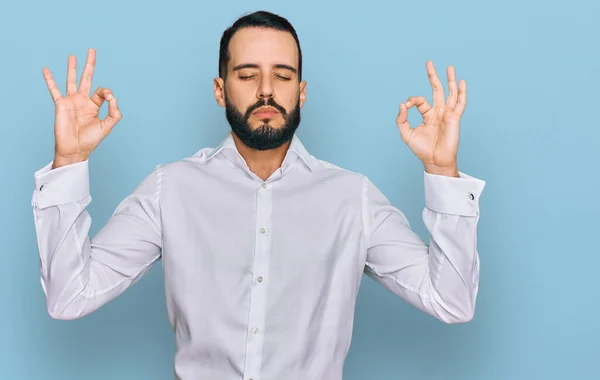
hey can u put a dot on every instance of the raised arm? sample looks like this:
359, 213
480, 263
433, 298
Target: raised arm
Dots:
440, 278
79, 274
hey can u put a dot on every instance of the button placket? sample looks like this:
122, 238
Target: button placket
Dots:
258, 292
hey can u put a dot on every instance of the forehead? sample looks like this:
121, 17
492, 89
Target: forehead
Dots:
263, 47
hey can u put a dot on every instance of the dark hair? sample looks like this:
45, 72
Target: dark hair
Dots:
260, 19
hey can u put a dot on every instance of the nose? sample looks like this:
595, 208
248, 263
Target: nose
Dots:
265, 89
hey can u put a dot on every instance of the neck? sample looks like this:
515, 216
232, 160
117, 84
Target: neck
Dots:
263, 163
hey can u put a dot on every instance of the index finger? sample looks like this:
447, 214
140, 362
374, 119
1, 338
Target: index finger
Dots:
452, 89
436, 85
54, 91
85, 84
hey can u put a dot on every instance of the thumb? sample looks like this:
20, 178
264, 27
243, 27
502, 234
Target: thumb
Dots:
114, 115
403, 124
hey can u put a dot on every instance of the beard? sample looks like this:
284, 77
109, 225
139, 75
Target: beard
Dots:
264, 137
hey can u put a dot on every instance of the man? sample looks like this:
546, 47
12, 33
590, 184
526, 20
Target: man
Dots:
263, 245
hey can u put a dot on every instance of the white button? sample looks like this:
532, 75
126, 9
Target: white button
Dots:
471, 196
262, 230
264, 185
42, 187
255, 330
260, 279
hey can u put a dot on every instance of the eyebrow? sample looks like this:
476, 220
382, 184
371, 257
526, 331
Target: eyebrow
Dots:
255, 66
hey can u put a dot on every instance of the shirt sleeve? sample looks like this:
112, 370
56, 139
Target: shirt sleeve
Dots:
441, 278
79, 274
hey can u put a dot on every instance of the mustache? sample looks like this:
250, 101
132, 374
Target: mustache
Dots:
265, 102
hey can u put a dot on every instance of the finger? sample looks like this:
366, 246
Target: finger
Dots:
452, 89
71, 75
114, 115
419, 101
403, 124
100, 95
462, 98
85, 85
54, 91
436, 85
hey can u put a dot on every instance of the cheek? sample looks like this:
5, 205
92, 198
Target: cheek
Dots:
241, 105
289, 98
241, 97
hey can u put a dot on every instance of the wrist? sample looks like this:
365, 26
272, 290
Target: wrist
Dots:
450, 171
60, 161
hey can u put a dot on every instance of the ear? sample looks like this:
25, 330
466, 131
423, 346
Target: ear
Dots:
302, 93
219, 90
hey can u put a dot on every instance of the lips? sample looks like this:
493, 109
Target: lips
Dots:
265, 112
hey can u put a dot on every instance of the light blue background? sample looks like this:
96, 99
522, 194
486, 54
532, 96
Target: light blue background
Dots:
530, 130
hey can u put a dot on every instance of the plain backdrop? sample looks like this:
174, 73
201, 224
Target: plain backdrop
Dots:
530, 130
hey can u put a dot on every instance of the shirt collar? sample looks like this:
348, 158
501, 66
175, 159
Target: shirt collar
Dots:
228, 148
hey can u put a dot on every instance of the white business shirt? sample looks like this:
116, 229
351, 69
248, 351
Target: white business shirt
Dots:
261, 276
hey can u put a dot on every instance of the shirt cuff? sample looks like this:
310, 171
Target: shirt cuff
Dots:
69, 183
452, 195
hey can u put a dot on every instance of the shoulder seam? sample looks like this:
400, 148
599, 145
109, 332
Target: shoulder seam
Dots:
159, 181
365, 209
